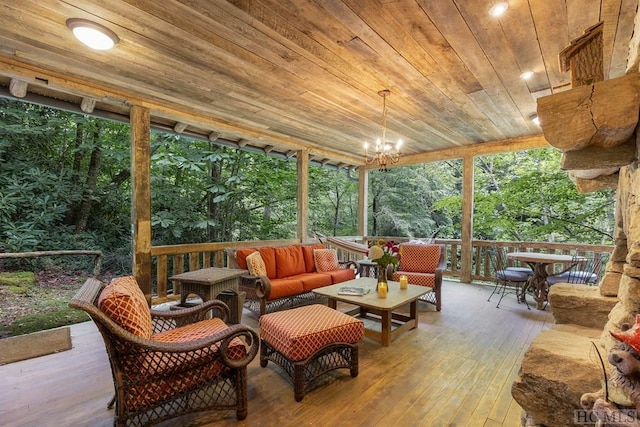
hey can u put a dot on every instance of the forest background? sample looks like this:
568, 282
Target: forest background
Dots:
65, 184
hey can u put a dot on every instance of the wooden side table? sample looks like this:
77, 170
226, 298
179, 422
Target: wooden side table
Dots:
367, 268
208, 283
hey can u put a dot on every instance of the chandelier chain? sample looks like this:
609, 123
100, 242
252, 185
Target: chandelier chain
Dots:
383, 154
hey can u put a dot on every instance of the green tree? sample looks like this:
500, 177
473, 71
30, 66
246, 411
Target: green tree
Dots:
404, 201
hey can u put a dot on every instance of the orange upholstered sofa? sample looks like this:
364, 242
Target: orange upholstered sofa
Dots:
287, 275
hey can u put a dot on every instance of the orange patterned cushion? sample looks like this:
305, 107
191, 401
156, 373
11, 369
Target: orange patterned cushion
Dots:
419, 258
123, 301
255, 264
200, 330
172, 367
309, 260
326, 259
300, 332
424, 279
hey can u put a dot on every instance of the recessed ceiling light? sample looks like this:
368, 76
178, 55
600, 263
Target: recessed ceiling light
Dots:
499, 8
94, 35
526, 75
535, 119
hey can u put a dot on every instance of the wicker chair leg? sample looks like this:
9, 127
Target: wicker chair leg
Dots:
241, 395
298, 381
264, 359
354, 361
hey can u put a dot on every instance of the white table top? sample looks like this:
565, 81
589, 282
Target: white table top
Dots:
542, 258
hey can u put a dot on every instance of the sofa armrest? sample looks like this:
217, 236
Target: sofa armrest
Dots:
348, 264
263, 287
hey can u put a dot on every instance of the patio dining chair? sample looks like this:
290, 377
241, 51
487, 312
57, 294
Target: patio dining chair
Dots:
583, 270
508, 279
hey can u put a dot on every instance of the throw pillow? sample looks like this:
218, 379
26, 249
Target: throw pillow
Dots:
326, 259
255, 264
123, 301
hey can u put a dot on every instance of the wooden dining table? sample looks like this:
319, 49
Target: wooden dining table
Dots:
539, 263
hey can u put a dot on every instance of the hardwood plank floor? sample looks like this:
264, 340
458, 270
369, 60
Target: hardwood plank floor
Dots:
456, 369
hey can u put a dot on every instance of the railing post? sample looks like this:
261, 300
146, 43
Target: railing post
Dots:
467, 219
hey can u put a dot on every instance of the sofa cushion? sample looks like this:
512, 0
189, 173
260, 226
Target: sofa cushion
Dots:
241, 257
309, 260
312, 281
341, 275
269, 257
419, 258
255, 264
326, 260
424, 279
123, 301
286, 287
289, 261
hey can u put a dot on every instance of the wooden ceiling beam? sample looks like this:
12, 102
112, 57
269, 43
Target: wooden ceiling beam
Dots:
603, 114
116, 96
484, 149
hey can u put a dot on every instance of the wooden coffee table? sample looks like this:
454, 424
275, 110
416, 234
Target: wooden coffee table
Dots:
374, 310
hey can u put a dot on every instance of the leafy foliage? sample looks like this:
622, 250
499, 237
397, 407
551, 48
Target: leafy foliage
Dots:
525, 196
65, 184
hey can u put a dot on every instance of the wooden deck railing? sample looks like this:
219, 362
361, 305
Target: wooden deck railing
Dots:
481, 267
175, 259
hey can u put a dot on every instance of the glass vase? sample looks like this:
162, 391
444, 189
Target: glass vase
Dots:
382, 276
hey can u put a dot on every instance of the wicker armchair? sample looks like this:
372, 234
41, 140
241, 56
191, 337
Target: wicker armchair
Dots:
423, 265
188, 363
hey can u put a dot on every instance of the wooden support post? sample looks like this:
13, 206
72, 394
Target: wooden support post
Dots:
141, 197
303, 194
363, 200
467, 219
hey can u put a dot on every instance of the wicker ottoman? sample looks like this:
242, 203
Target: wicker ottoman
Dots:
310, 341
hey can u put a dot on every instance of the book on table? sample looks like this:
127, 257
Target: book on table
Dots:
353, 290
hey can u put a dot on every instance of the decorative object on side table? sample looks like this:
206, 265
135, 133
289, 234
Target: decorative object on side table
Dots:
404, 281
384, 254
382, 289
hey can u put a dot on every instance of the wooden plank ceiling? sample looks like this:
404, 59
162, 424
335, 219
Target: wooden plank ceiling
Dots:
283, 75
